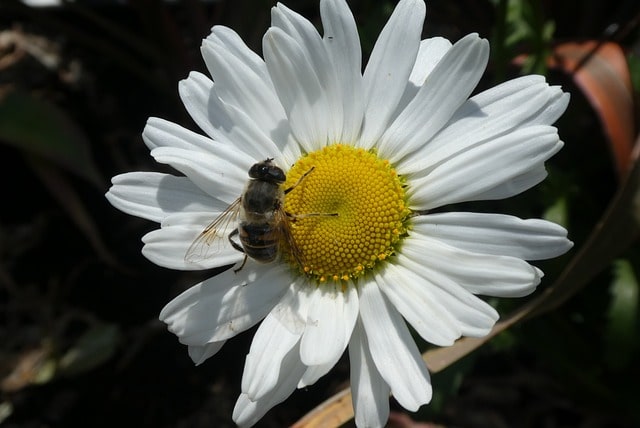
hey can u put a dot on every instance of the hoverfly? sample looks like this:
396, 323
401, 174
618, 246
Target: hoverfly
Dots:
263, 224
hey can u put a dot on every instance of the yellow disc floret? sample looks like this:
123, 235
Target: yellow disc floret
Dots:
347, 209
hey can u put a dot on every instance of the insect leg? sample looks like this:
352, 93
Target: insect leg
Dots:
299, 180
238, 247
242, 265
235, 245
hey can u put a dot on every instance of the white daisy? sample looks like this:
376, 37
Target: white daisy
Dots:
379, 150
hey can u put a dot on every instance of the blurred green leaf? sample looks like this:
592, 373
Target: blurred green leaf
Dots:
558, 212
521, 22
39, 127
6, 409
634, 70
91, 350
45, 373
622, 317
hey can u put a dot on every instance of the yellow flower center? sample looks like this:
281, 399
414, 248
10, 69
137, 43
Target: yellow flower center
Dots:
348, 212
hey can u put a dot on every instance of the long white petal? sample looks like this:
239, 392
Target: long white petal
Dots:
168, 245
313, 373
298, 87
477, 170
308, 39
429, 55
227, 39
247, 412
194, 93
324, 352
330, 320
162, 133
292, 309
199, 353
485, 274
431, 52
225, 305
271, 343
496, 234
518, 103
412, 297
230, 126
222, 175
514, 185
343, 45
155, 195
369, 390
389, 67
242, 80
471, 315
394, 352
447, 88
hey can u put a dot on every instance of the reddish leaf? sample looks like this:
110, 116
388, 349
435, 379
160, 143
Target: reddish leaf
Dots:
600, 70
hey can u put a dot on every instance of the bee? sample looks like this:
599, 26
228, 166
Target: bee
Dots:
263, 226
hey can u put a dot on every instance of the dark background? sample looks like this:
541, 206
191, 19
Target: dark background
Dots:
80, 344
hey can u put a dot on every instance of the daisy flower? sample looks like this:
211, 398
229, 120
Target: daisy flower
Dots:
367, 157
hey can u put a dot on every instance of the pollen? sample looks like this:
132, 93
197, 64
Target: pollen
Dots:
347, 212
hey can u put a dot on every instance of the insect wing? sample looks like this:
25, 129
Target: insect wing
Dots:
286, 235
215, 237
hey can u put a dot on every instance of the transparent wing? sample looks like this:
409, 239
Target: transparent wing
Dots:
215, 237
287, 237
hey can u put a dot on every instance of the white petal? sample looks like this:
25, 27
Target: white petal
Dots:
228, 125
308, 39
298, 87
412, 297
225, 305
154, 195
518, 103
267, 115
514, 185
292, 309
227, 39
430, 53
389, 67
168, 246
330, 319
200, 353
394, 352
486, 274
194, 93
241, 78
313, 373
343, 45
483, 167
447, 88
222, 175
242, 133
261, 373
471, 315
247, 412
370, 392
495, 234
162, 133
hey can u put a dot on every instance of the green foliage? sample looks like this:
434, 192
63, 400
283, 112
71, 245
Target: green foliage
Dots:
39, 127
633, 60
96, 346
521, 28
621, 332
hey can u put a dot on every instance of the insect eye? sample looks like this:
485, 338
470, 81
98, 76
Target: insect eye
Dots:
275, 174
